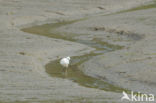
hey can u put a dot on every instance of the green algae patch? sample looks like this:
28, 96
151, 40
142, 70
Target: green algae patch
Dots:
54, 69
142, 7
150, 6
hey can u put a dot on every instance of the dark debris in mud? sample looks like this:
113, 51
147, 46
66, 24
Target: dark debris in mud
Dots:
22, 53
129, 34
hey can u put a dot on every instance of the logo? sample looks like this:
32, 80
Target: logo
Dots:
137, 96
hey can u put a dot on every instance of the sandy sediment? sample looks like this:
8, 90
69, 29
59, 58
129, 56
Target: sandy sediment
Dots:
23, 56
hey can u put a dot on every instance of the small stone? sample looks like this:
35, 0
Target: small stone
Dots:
22, 53
101, 7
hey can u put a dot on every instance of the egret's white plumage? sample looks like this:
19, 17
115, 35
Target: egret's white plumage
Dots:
65, 62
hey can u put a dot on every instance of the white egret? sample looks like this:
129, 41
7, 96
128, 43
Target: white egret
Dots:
65, 62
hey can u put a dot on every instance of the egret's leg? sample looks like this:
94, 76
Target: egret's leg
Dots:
66, 72
63, 69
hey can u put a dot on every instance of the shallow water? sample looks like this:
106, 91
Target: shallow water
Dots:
73, 73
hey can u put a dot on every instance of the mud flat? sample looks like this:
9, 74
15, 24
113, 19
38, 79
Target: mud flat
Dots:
23, 56
132, 67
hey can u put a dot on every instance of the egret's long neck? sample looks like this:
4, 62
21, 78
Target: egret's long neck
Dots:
68, 58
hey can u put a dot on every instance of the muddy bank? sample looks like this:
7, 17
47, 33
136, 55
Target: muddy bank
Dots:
132, 67
54, 69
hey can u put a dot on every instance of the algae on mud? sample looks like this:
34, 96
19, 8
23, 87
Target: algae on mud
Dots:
142, 7
54, 69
